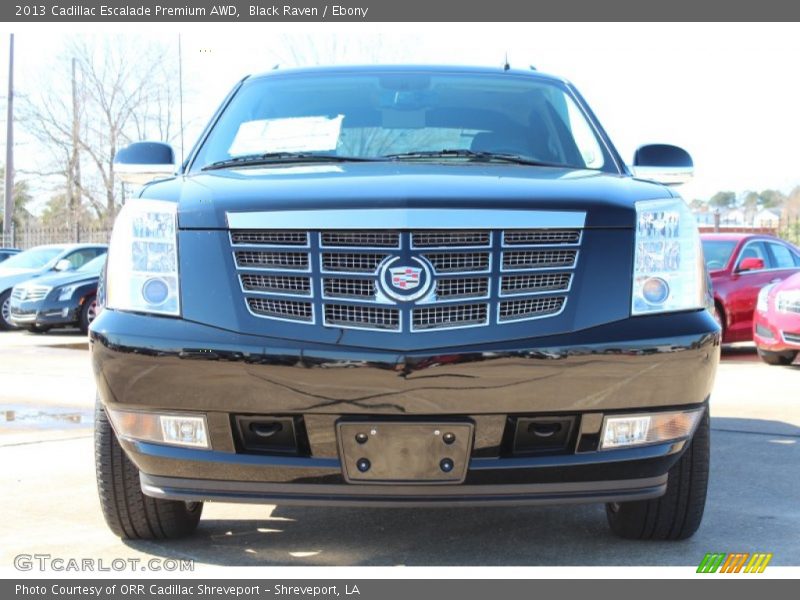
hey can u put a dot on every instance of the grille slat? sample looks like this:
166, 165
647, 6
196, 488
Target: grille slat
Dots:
455, 262
529, 308
354, 239
473, 287
529, 284
443, 317
272, 260
270, 238
480, 276
441, 239
351, 262
300, 286
348, 288
541, 237
538, 259
283, 309
368, 317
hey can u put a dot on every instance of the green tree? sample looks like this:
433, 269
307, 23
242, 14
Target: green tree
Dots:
772, 198
22, 198
723, 200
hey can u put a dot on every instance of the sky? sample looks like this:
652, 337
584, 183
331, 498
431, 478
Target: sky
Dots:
727, 93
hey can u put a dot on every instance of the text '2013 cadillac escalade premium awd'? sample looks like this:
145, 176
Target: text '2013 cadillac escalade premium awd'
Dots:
404, 286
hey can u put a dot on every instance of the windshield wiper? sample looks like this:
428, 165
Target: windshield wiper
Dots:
472, 155
280, 157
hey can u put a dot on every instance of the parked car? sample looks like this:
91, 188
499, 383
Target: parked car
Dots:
776, 325
58, 300
740, 264
404, 286
7, 253
39, 261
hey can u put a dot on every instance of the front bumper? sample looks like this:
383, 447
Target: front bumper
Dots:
44, 312
643, 364
776, 332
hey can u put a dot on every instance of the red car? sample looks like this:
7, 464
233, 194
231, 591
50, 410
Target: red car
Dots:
740, 264
776, 323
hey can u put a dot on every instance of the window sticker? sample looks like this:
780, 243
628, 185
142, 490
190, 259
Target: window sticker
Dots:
298, 134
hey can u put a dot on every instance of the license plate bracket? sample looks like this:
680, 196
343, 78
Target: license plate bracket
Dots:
412, 452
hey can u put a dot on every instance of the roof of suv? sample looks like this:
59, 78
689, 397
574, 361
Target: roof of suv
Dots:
464, 69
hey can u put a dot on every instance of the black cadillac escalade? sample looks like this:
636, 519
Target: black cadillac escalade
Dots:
404, 286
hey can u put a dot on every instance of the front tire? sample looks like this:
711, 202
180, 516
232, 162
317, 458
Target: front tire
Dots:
128, 512
5, 311
88, 314
777, 358
677, 514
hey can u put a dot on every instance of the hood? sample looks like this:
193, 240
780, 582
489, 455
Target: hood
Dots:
11, 277
66, 278
204, 198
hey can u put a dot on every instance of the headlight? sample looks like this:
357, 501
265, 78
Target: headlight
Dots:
65, 293
668, 270
787, 301
142, 270
763, 298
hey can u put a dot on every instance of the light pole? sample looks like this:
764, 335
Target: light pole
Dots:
8, 218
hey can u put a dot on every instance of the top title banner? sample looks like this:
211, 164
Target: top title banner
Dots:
396, 10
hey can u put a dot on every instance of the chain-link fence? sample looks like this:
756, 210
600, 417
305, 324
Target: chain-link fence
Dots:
24, 238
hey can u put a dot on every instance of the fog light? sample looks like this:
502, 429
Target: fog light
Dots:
636, 430
184, 431
155, 291
655, 290
175, 430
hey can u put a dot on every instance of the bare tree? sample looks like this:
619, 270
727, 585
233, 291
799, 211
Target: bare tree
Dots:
124, 89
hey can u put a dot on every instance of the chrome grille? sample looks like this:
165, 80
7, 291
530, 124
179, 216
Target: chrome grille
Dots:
530, 284
335, 278
30, 294
530, 308
538, 259
440, 239
351, 262
269, 238
792, 338
548, 237
272, 260
300, 286
282, 309
367, 317
442, 317
791, 305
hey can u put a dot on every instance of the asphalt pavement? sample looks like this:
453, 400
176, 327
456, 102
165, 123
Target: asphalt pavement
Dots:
49, 502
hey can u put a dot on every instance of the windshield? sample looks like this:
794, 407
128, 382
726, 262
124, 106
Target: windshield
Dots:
94, 266
717, 253
378, 114
35, 258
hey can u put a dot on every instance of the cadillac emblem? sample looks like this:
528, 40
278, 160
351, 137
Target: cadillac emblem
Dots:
405, 279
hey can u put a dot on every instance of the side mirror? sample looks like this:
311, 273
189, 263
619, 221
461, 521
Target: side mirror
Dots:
751, 264
143, 162
63, 265
663, 163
